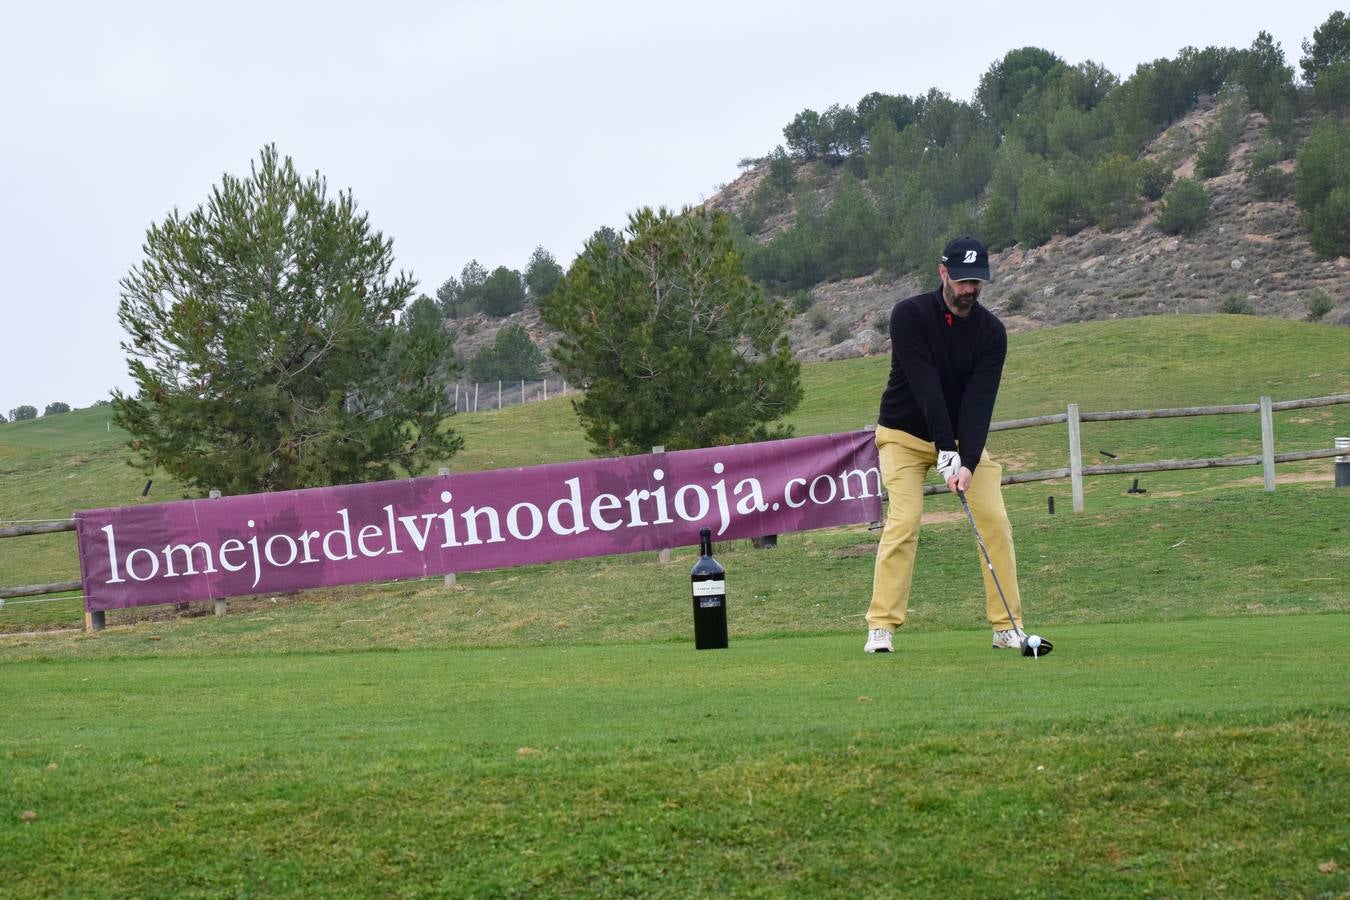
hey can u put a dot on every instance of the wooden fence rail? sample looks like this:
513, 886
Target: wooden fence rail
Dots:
34, 590
1075, 471
39, 528
1122, 415
1165, 465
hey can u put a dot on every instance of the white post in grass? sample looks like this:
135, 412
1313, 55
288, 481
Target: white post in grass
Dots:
1268, 444
522, 392
220, 603
1075, 458
664, 554
449, 576
499, 396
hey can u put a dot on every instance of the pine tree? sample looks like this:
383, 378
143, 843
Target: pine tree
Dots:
672, 341
264, 343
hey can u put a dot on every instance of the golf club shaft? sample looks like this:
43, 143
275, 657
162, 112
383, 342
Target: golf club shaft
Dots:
989, 562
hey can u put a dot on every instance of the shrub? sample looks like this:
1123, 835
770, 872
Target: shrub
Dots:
782, 170
1236, 305
1321, 164
1033, 225
1016, 303
1331, 224
1267, 181
766, 199
1154, 179
512, 357
542, 274
803, 300
840, 334
1114, 192
1333, 88
1213, 156
1067, 205
56, 408
1232, 108
1267, 153
1271, 183
818, 320
998, 224
503, 292
1184, 208
1319, 304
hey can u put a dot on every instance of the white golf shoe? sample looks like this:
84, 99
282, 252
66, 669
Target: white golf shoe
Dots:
1007, 640
878, 641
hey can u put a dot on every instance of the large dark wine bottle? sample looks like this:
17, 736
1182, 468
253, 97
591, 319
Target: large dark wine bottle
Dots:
709, 582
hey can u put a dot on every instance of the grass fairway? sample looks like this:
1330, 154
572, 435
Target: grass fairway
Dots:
550, 731
1188, 758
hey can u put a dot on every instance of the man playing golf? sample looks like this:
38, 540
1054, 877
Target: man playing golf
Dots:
947, 355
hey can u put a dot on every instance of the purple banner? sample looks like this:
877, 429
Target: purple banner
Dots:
264, 543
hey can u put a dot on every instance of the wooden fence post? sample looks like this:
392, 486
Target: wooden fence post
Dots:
445, 470
664, 554
1268, 444
1075, 458
220, 602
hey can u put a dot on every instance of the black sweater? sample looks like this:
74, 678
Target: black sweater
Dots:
945, 372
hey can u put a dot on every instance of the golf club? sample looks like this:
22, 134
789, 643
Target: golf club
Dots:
1033, 645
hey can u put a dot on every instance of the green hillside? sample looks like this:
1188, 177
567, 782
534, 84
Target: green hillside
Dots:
54, 465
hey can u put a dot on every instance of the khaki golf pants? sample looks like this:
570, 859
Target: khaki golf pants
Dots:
905, 461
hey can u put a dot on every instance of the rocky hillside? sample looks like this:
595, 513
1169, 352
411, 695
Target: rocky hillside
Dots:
1250, 249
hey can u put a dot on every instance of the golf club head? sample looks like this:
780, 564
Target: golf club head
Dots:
1034, 645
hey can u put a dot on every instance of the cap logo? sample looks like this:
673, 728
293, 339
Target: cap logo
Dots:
970, 256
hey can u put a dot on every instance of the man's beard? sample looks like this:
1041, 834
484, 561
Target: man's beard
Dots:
958, 302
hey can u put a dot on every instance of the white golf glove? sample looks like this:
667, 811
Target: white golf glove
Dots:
949, 463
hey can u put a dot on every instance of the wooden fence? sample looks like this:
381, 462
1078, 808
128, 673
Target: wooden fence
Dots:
1075, 471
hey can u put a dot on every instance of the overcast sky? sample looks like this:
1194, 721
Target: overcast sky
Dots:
465, 130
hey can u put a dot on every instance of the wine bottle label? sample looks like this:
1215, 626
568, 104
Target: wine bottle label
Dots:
709, 602
709, 588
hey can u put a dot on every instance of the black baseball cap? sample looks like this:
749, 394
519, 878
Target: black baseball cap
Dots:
966, 259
